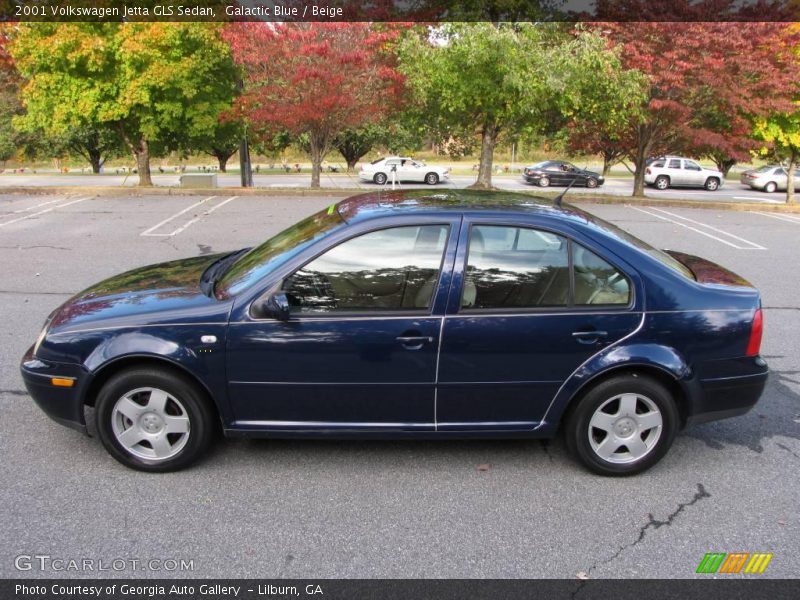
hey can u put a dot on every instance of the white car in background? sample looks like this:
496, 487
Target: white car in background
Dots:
404, 169
676, 171
771, 178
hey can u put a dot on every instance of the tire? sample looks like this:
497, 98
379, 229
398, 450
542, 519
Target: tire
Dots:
591, 182
661, 182
176, 403
771, 187
431, 179
544, 181
380, 178
712, 184
624, 404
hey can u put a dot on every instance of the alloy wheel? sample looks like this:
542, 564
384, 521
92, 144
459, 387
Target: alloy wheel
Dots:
625, 428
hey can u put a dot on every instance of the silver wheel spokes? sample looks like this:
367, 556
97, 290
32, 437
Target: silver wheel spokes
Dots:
150, 424
625, 428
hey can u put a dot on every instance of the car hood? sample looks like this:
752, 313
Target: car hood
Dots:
167, 292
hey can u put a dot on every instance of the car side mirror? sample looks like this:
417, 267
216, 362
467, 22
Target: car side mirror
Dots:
276, 306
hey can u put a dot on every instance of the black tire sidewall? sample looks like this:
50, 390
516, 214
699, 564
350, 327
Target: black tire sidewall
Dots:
192, 399
380, 178
591, 182
770, 188
576, 432
431, 179
708, 185
664, 179
544, 181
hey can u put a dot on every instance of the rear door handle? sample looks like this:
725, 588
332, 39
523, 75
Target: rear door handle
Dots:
589, 337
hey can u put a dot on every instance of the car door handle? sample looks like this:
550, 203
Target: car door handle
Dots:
589, 337
414, 339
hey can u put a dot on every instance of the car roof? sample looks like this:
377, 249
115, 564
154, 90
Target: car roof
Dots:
378, 204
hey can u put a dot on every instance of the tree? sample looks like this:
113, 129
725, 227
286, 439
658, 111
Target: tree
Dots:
222, 141
352, 144
782, 133
317, 79
745, 69
399, 135
157, 85
94, 145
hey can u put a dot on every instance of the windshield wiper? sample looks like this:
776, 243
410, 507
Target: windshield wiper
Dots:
216, 269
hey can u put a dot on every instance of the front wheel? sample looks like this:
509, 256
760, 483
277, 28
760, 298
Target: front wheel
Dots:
152, 419
591, 182
544, 181
431, 179
623, 425
712, 184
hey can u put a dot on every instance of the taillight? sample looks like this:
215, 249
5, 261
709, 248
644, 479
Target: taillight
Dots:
754, 345
647, 170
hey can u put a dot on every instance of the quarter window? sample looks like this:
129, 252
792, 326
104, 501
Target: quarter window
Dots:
390, 269
596, 281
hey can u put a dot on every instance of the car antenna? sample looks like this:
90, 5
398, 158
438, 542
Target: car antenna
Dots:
560, 197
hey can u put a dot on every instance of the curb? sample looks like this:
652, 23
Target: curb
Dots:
346, 192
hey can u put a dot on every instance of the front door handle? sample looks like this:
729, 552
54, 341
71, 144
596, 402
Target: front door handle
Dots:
414, 342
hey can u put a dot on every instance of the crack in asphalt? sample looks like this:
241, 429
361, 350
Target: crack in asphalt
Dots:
653, 523
546, 447
789, 450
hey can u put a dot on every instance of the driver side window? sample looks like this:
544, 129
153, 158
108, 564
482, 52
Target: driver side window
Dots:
389, 269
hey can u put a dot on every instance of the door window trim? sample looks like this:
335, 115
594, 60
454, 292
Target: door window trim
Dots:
570, 308
362, 314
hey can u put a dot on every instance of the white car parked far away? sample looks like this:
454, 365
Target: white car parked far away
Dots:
405, 169
675, 171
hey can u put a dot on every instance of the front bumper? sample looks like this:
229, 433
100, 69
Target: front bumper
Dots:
62, 404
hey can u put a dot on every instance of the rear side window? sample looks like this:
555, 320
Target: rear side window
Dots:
516, 267
674, 164
512, 267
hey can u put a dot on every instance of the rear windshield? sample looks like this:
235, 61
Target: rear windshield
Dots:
659, 255
375, 162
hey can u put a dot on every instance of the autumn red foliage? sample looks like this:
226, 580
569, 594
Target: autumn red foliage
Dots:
316, 79
708, 80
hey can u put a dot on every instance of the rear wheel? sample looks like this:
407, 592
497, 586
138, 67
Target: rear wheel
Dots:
771, 187
712, 184
380, 178
152, 419
623, 425
662, 182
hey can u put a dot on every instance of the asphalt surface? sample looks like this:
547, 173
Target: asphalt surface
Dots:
384, 509
732, 191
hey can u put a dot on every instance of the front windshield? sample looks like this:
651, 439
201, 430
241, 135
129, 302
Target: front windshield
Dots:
255, 265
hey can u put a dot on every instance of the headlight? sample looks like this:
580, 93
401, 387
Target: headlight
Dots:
41, 337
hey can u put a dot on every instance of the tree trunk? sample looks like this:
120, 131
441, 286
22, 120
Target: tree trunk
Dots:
606, 166
488, 139
644, 143
223, 163
96, 160
142, 154
790, 171
318, 148
351, 163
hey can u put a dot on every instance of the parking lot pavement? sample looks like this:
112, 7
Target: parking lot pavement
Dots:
385, 509
732, 191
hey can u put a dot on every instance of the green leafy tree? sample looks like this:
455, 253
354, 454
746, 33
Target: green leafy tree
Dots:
782, 134
159, 86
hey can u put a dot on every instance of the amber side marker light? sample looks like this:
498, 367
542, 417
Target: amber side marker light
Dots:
62, 382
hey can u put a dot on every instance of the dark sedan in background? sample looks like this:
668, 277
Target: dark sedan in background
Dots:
560, 172
447, 315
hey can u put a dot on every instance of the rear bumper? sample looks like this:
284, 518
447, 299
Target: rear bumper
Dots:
62, 404
725, 397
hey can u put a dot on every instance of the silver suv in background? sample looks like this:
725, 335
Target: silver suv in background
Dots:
676, 171
771, 178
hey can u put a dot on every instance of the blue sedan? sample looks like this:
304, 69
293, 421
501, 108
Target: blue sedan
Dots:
443, 315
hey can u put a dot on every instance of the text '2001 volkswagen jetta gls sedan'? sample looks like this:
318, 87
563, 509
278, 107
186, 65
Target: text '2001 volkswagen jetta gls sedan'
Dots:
410, 314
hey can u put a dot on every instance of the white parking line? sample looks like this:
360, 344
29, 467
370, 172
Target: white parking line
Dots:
782, 217
30, 208
46, 210
150, 232
750, 246
764, 200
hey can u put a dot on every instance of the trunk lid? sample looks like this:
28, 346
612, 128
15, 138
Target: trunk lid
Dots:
708, 272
